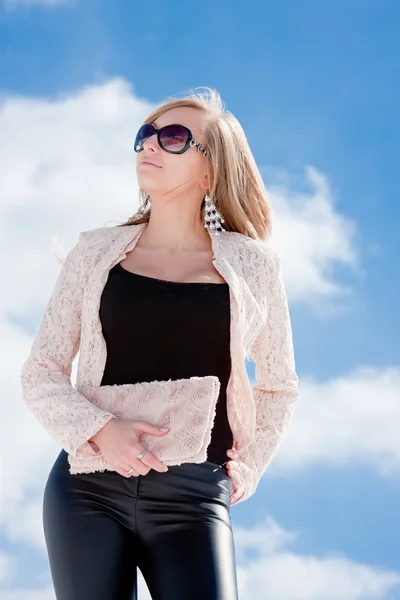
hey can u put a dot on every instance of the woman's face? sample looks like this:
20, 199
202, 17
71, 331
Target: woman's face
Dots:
176, 175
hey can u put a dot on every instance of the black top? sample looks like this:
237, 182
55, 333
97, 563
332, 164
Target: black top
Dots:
179, 330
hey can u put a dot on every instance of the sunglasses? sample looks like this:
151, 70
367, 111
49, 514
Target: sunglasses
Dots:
174, 138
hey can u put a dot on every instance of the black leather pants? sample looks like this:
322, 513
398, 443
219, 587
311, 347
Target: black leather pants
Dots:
174, 526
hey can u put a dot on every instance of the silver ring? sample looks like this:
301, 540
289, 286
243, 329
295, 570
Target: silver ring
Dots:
140, 458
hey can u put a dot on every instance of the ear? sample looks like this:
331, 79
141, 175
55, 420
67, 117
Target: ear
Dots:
207, 179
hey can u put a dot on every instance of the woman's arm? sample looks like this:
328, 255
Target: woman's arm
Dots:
65, 413
276, 391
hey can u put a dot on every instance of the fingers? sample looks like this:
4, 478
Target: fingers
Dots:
233, 466
126, 464
232, 454
144, 428
141, 465
235, 497
236, 490
235, 476
234, 473
123, 470
153, 462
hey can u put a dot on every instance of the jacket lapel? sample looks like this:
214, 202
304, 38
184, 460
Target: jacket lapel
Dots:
93, 351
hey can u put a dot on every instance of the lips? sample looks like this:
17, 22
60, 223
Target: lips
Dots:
148, 162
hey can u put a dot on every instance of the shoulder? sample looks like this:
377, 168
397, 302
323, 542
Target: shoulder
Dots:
103, 234
93, 244
251, 251
100, 239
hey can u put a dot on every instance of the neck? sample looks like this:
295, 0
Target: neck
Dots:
173, 229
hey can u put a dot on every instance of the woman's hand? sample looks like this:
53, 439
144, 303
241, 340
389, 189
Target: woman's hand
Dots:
119, 443
237, 487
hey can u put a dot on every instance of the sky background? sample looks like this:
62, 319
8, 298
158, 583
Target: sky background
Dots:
316, 87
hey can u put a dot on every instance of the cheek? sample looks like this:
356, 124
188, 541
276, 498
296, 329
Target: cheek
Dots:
180, 172
193, 170
181, 163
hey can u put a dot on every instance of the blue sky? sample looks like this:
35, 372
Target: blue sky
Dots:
316, 87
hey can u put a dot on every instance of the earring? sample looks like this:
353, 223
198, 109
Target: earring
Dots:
212, 218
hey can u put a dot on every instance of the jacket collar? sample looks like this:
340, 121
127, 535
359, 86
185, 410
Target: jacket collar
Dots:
125, 239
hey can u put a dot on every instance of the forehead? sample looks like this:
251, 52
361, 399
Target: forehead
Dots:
191, 117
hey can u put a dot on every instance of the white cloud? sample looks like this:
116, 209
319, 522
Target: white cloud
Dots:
46, 593
314, 238
7, 567
67, 165
267, 568
348, 420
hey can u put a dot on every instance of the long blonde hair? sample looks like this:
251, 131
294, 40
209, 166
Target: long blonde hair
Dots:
237, 188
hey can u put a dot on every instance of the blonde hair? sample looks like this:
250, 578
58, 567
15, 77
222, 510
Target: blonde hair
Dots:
237, 188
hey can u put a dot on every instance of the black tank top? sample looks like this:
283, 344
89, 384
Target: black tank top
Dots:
158, 330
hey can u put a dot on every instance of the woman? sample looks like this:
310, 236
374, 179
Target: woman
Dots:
185, 288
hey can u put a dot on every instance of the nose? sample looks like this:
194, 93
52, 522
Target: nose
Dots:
151, 144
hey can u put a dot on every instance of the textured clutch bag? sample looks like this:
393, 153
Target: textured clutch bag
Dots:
186, 406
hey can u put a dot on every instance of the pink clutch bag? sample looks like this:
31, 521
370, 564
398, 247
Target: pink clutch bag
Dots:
186, 406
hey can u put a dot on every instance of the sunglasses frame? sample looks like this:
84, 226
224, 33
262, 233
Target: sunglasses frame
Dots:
191, 141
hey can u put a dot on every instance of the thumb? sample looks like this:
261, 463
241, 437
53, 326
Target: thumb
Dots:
153, 429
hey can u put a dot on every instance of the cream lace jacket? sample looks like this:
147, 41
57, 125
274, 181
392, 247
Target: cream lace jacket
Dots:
260, 329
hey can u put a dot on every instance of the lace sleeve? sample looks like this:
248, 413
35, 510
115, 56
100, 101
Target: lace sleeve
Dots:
275, 392
64, 412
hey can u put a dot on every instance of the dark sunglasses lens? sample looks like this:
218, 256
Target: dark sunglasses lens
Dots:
174, 138
143, 134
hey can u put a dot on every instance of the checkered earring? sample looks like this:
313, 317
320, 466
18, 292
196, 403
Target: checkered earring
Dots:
212, 218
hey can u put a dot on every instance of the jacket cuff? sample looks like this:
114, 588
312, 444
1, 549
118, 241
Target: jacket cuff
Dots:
81, 446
